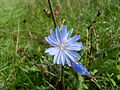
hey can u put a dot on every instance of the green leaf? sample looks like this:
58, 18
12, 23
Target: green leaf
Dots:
25, 68
118, 76
113, 82
34, 68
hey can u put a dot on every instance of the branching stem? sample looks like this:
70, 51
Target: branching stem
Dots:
90, 28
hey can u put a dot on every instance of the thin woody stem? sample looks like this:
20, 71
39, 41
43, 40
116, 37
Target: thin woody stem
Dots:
90, 28
62, 77
52, 12
62, 67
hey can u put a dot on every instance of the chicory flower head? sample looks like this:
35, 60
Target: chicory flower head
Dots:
64, 47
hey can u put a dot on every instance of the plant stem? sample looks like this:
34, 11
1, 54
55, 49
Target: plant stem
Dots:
91, 49
62, 77
18, 36
62, 67
52, 12
90, 29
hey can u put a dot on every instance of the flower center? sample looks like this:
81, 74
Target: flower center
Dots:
61, 47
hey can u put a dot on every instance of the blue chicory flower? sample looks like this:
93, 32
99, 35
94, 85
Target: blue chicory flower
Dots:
63, 48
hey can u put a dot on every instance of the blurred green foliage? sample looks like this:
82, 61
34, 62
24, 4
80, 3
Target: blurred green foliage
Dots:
25, 23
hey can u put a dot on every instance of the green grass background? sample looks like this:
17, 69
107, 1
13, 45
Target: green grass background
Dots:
23, 26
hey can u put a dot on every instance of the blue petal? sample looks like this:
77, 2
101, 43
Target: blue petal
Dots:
64, 32
75, 54
58, 34
52, 34
59, 58
49, 41
73, 39
67, 60
52, 40
69, 55
52, 50
69, 33
80, 69
55, 58
75, 46
62, 59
